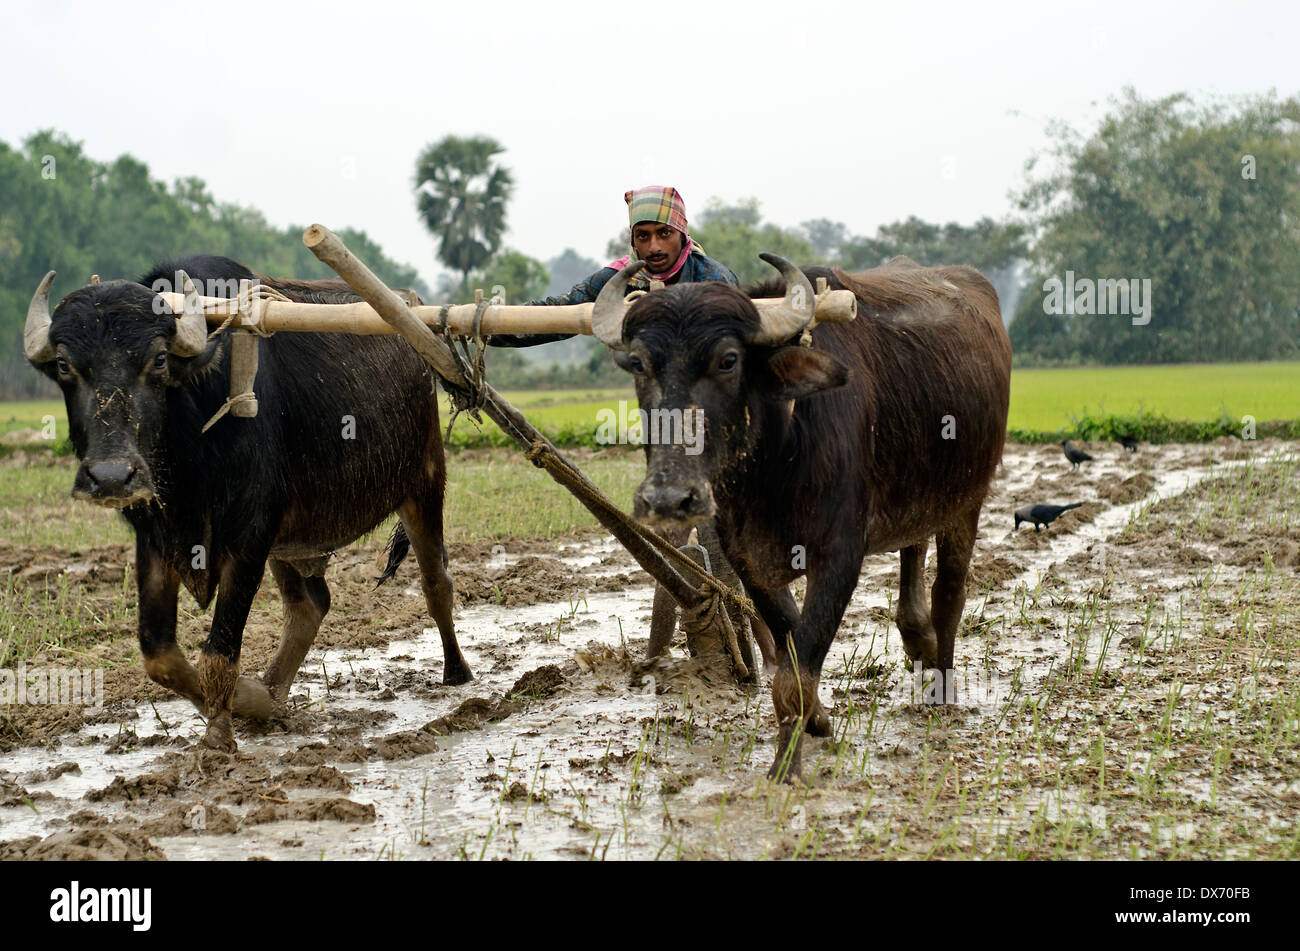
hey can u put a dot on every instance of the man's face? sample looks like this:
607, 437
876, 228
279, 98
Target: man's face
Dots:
657, 244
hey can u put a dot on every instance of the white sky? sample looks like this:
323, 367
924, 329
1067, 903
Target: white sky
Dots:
859, 113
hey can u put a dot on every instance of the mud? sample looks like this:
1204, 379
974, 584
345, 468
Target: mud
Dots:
571, 744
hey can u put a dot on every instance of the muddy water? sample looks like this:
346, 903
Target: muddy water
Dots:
600, 754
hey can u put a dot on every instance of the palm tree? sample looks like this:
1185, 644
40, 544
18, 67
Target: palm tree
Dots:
461, 196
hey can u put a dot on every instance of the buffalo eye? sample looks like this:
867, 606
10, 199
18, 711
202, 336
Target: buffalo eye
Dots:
728, 363
635, 364
64, 368
160, 361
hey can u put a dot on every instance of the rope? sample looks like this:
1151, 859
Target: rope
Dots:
713, 592
473, 367
225, 408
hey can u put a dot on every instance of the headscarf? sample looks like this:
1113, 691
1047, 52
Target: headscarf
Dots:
662, 204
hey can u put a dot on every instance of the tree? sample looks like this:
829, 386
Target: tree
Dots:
520, 278
462, 196
61, 209
996, 249
735, 234
987, 245
568, 268
1202, 201
826, 236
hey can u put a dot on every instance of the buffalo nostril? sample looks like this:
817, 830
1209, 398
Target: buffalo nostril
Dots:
670, 500
109, 478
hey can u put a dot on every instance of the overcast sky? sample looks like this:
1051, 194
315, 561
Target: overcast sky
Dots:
861, 113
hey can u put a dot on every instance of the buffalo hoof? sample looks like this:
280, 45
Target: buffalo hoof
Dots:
924, 647
220, 735
819, 724
252, 699
788, 765
453, 675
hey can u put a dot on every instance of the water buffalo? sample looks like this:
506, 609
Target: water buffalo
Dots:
884, 433
346, 433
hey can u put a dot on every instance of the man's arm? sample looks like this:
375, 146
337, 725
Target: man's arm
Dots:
581, 293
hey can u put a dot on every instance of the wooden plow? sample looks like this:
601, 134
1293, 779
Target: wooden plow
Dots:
715, 613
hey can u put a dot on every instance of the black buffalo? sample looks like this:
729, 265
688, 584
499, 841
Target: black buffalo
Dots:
346, 433
882, 434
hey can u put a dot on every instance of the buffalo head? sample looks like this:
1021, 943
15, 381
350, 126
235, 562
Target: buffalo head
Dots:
115, 349
708, 371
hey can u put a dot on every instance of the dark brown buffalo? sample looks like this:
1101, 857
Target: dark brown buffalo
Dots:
883, 434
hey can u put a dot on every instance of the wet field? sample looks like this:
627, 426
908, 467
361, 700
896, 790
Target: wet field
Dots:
1126, 688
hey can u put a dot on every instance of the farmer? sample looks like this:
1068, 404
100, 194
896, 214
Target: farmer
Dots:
657, 215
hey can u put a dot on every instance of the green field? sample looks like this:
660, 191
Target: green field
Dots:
1047, 399
1042, 402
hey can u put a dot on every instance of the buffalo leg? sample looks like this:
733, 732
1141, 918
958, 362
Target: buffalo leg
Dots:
920, 641
743, 625
663, 615
794, 688
164, 664
778, 606
948, 595
306, 602
780, 614
219, 661
423, 523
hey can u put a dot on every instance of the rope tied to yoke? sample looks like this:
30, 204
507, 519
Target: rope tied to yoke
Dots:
249, 294
471, 363
714, 594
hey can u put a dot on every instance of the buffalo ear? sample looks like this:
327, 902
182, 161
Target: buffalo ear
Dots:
792, 373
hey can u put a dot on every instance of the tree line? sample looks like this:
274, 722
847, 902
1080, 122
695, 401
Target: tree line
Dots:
1169, 233
61, 209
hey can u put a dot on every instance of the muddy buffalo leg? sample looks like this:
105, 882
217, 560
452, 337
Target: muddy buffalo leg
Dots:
306, 602
743, 625
780, 614
919, 639
219, 661
423, 522
663, 615
948, 595
157, 585
831, 581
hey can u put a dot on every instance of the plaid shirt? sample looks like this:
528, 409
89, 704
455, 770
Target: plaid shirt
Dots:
697, 268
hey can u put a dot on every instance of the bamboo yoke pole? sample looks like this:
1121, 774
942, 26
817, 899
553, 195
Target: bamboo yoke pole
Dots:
330, 249
274, 316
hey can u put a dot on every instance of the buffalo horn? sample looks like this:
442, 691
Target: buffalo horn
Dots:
607, 316
192, 326
795, 312
36, 334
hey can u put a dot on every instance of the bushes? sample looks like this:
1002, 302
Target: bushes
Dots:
1154, 428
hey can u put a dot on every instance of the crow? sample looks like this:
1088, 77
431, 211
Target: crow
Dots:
1041, 515
1075, 456
1129, 443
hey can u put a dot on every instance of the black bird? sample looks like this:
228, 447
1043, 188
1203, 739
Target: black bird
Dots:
1075, 456
1041, 515
1129, 443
